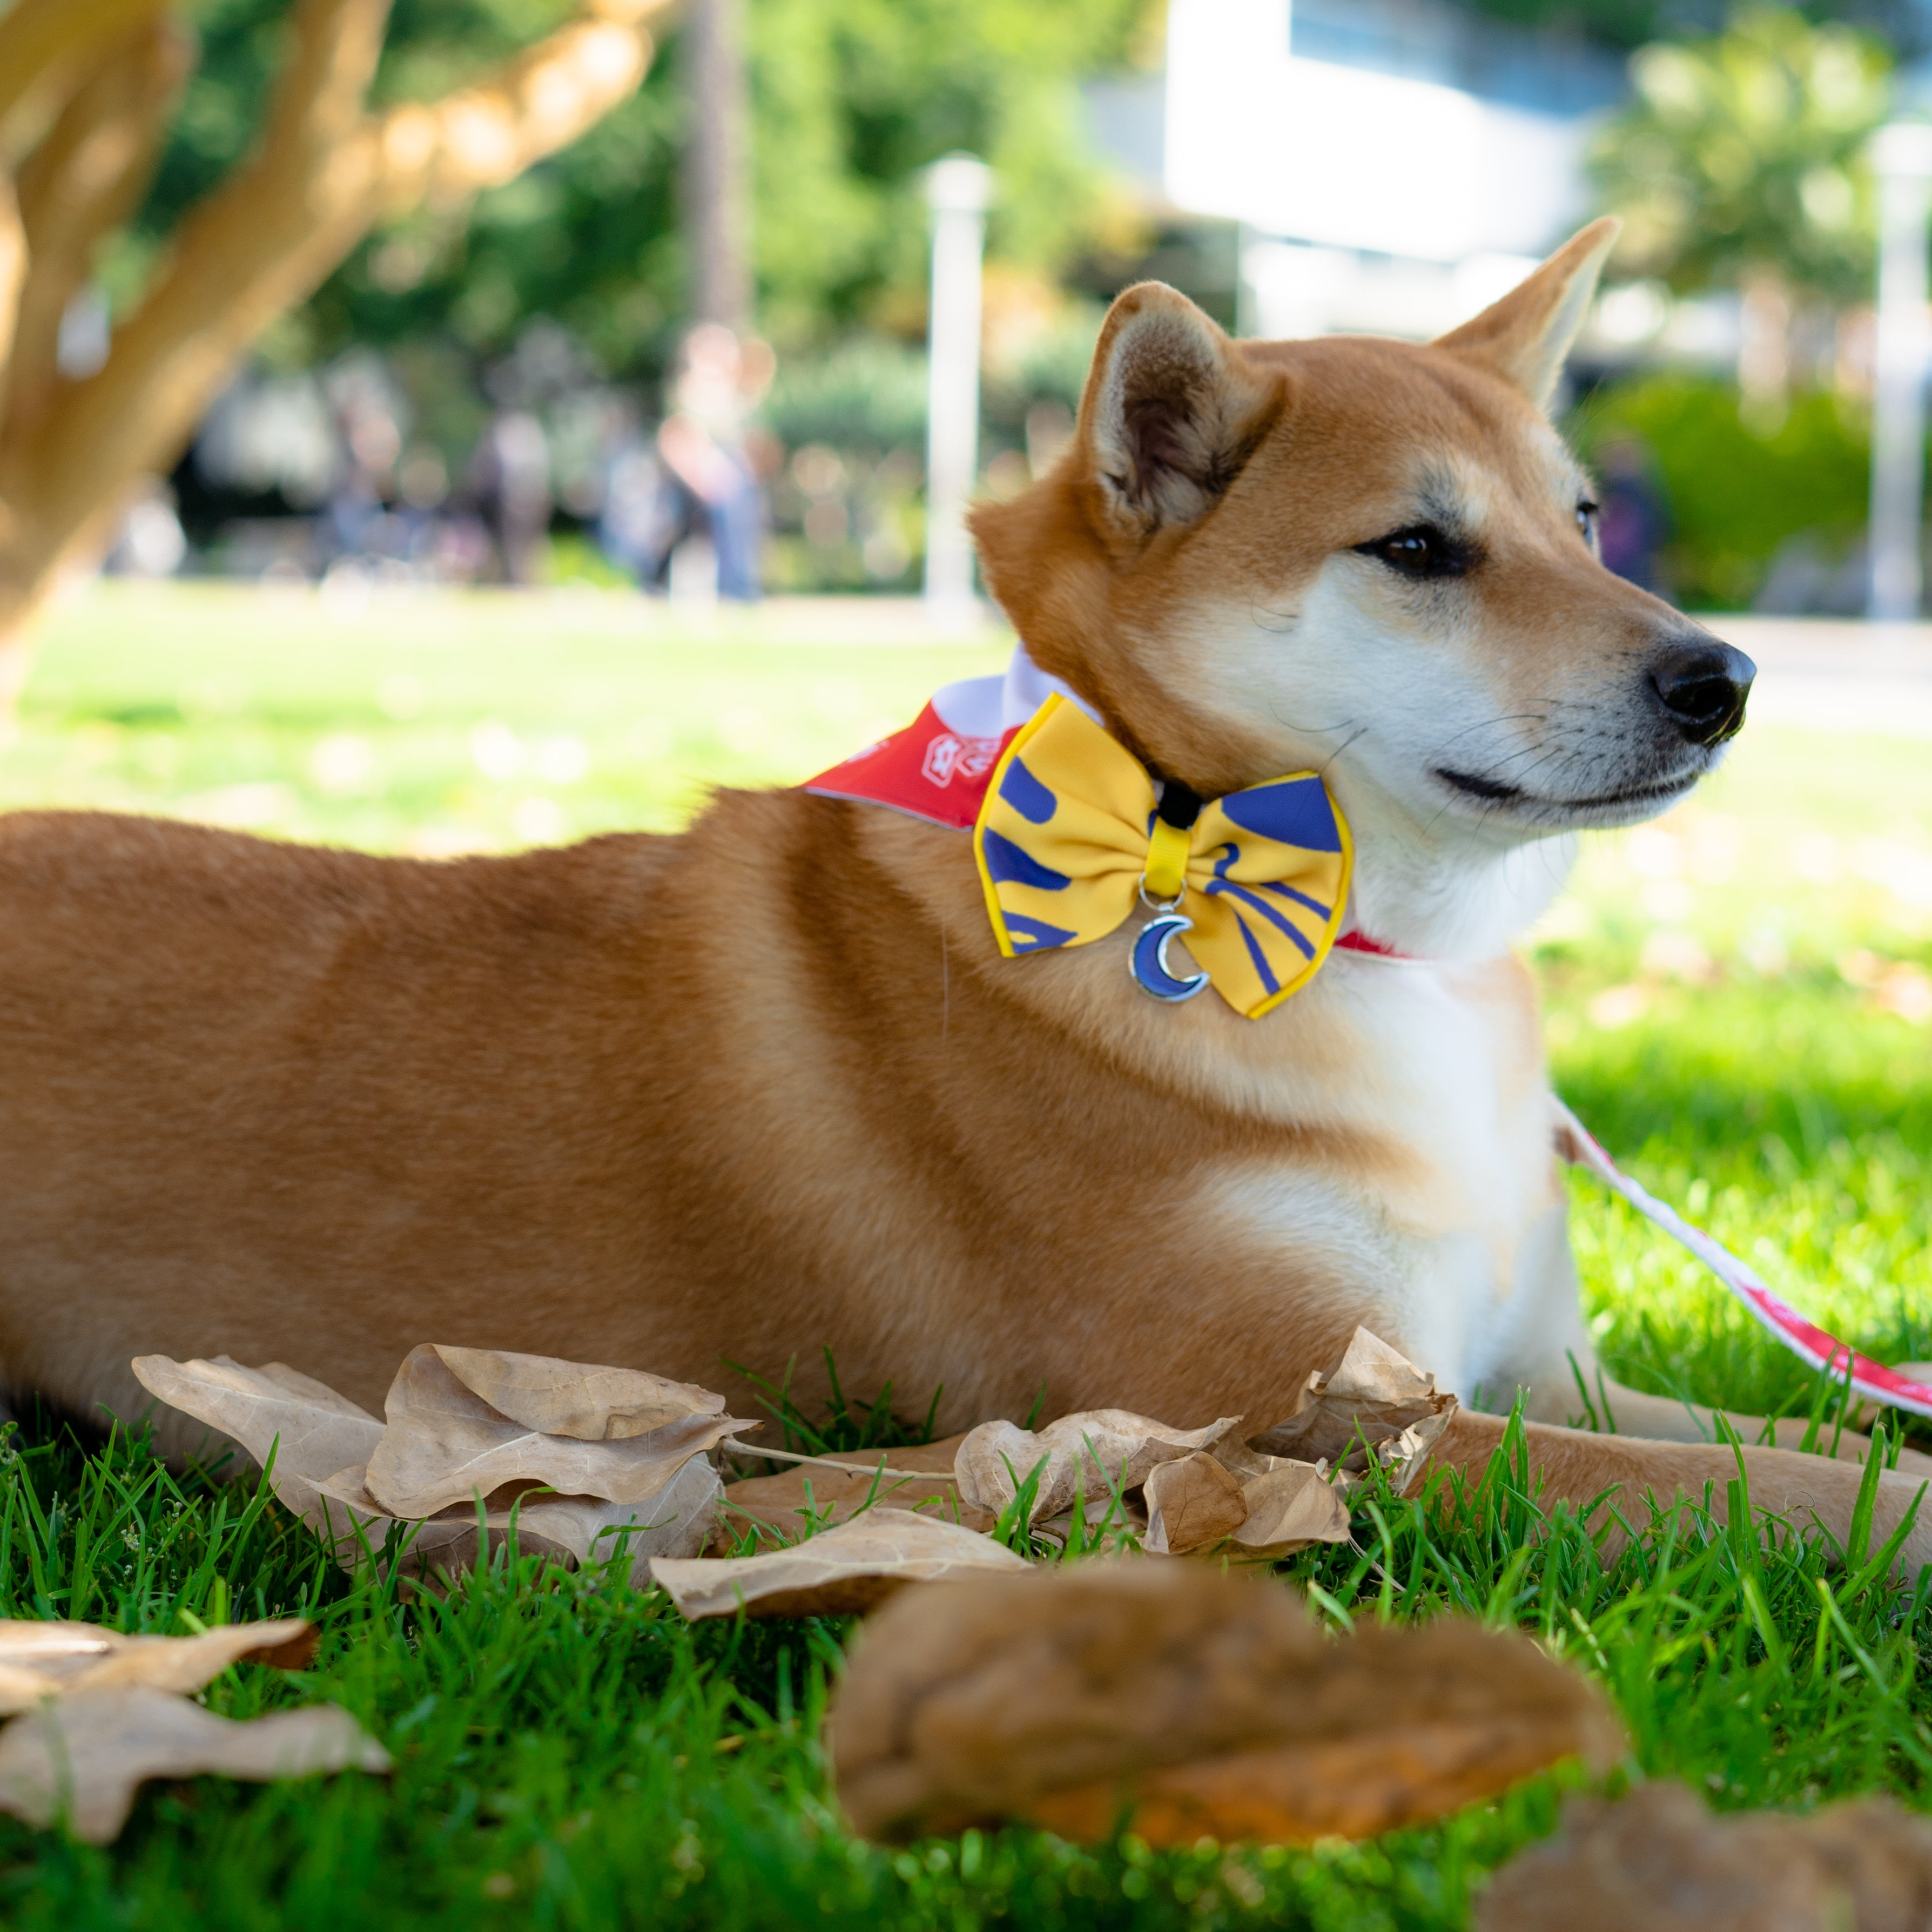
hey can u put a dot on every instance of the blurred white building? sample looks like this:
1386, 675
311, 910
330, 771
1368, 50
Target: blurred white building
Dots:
1393, 164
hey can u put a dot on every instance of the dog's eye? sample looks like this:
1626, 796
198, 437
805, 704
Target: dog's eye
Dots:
1420, 550
1586, 521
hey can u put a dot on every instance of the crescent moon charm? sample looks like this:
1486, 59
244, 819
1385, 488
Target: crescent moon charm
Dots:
1148, 960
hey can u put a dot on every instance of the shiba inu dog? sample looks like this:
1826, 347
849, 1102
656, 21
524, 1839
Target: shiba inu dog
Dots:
769, 1086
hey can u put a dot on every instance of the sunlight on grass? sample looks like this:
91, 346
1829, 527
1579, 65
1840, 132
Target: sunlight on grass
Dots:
437, 723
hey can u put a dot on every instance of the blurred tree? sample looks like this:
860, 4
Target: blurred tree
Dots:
1616, 23
855, 98
1738, 495
1740, 163
88, 88
1901, 24
851, 99
588, 236
716, 179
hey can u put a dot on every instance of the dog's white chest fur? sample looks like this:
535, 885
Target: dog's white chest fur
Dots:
1448, 1229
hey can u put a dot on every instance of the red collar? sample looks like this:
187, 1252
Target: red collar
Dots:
1360, 942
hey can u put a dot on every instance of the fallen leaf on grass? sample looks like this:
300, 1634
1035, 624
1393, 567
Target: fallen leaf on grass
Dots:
1094, 1452
445, 1444
1374, 1394
86, 1754
320, 1431
574, 1398
675, 1522
1658, 1860
1195, 1702
1104, 1522
1191, 1503
919, 1478
1290, 1506
639, 1461
1289, 1495
843, 1570
47, 1660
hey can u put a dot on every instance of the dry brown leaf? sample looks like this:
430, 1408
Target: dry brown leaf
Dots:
573, 1399
1190, 1504
86, 1754
1880, 1856
40, 1660
1205, 1704
676, 1521
1107, 1524
838, 1493
1404, 1774
1243, 1460
1288, 1508
1094, 1452
1659, 1860
848, 1569
1404, 1457
445, 1444
326, 1444
1373, 1394
314, 1432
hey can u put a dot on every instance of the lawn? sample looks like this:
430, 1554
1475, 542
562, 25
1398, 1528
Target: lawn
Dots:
1739, 1005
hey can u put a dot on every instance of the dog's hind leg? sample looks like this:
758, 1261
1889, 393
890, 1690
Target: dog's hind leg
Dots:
1561, 1382
1577, 1466
1658, 1418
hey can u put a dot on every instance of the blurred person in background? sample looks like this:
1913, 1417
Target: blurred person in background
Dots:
637, 522
510, 475
1633, 520
368, 424
150, 541
714, 484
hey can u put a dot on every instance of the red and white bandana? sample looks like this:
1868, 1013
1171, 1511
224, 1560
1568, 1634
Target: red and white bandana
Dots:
938, 767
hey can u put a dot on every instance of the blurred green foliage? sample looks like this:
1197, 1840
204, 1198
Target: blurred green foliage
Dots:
1742, 154
1736, 492
868, 393
1619, 23
1631, 23
851, 100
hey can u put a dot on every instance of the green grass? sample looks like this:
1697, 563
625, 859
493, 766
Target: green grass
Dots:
438, 722
1726, 996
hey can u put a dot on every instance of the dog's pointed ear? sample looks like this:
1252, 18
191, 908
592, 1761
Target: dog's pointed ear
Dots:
1525, 337
1170, 414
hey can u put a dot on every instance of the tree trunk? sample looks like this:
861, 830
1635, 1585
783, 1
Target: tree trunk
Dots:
716, 181
325, 169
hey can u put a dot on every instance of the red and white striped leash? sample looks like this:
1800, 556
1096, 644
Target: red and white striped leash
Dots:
1805, 1339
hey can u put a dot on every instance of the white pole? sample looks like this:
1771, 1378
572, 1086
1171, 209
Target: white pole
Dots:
1902, 157
959, 188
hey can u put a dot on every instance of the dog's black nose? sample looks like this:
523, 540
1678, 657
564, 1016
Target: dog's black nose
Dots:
1703, 687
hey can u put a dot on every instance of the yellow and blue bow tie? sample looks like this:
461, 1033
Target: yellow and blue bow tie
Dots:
1070, 835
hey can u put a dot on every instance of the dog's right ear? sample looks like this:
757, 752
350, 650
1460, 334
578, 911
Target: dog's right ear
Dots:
1169, 416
